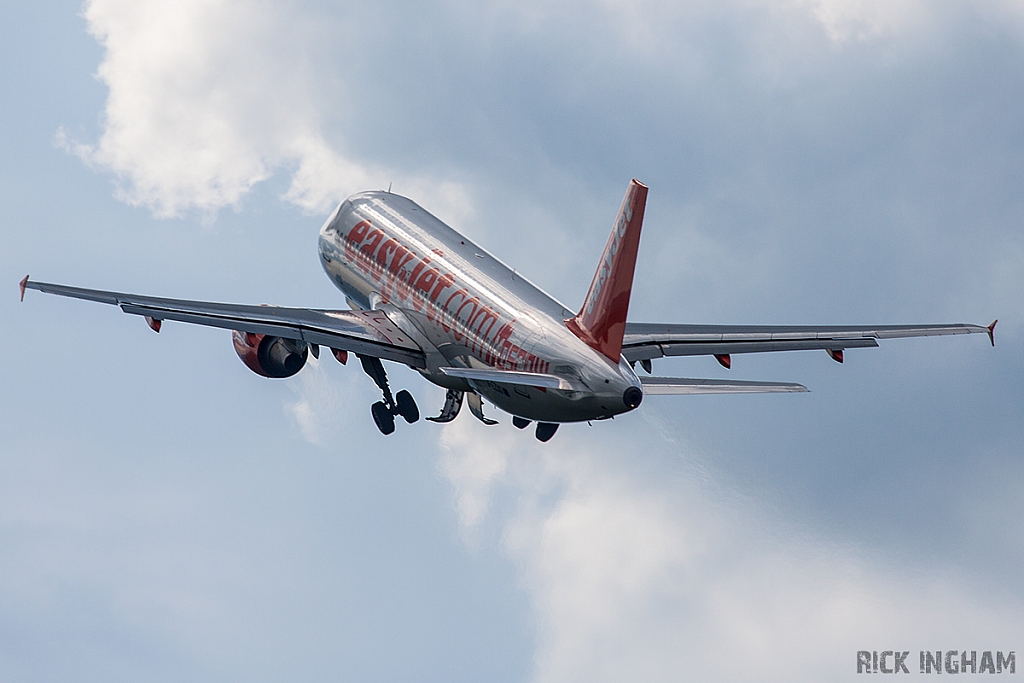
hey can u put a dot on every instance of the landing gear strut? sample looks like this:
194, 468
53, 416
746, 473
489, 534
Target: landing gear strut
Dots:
384, 411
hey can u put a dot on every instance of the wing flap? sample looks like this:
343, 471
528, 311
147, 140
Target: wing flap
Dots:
363, 332
667, 386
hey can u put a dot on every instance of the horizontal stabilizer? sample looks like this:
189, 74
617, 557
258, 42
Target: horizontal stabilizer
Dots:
655, 386
529, 379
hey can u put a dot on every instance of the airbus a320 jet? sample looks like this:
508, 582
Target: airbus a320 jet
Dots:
424, 295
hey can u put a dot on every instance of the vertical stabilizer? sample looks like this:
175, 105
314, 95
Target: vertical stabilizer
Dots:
602, 320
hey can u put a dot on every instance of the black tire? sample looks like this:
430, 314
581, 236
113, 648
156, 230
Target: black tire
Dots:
406, 406
520, 422
383, 418
546, 430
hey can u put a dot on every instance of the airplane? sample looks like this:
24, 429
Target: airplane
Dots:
422, 294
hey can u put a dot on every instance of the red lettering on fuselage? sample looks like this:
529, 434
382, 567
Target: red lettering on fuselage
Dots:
372, 240
402, 275
358, 233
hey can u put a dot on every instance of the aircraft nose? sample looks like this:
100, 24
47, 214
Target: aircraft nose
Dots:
632, 397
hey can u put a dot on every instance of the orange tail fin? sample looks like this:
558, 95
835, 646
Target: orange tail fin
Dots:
602, 320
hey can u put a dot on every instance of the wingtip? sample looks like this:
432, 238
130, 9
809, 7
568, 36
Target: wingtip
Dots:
992, 332
22, 285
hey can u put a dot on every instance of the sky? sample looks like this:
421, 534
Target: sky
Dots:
167, 515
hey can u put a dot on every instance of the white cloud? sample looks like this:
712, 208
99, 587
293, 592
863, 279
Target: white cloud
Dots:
664, 27
632, 575
320, 408
663, 575
862, 20
475, 470
209, 98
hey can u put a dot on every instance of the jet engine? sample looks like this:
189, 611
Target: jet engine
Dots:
270, 356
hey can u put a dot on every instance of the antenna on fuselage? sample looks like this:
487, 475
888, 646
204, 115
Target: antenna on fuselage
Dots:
389, 188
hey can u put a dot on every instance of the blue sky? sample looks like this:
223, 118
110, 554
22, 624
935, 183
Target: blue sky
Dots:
167, 515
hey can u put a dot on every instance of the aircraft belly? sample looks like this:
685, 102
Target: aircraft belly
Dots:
551, 405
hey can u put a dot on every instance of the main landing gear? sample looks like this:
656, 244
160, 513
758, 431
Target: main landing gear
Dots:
384, 411
402, 403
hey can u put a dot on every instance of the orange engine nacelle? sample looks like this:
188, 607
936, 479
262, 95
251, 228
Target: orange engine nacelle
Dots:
270, 356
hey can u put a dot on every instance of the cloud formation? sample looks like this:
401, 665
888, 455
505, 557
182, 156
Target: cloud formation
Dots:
208, 99
795, 148
657, 573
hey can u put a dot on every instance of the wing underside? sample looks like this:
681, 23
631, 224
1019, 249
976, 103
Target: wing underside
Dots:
369, 333
644, 341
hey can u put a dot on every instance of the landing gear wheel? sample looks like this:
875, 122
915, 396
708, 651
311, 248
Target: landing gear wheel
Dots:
406, 406
383, 418
520, 422
546, 430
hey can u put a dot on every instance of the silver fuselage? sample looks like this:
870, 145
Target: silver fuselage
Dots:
466, 309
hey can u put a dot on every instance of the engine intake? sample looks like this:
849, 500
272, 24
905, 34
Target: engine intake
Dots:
269, 356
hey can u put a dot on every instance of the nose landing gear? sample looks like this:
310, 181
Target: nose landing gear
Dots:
384, 411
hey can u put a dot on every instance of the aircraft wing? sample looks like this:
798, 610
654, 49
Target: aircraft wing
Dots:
368, 333
643, 341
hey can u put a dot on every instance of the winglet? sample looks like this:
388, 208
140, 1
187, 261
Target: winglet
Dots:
992, 332
154, 323
24, 283
601, 321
